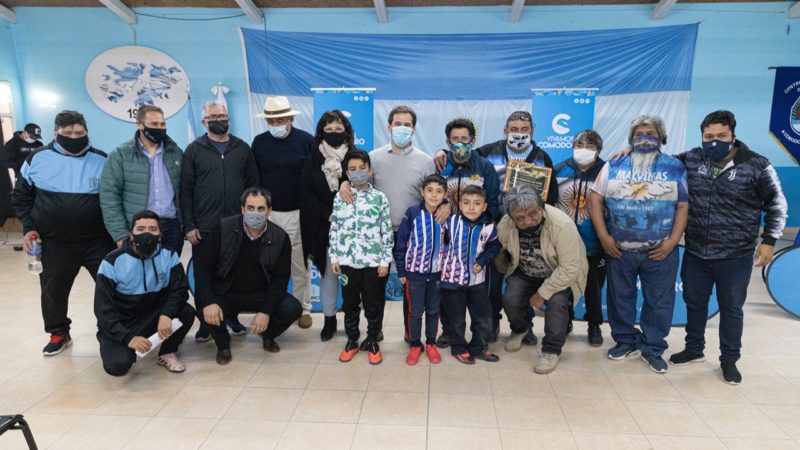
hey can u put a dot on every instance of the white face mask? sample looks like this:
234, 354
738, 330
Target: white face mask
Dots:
518, 141
278, 132
583, 156
29, 140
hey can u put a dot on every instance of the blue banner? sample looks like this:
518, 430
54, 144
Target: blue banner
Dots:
559, 115
356, 105
784, 125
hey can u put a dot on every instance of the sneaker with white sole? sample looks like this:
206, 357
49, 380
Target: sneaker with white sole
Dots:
171, 362
656, 363
686, 357
514, 342
622, 351
547, 363
57, 344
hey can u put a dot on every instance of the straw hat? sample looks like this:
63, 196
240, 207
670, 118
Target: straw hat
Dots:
275, 107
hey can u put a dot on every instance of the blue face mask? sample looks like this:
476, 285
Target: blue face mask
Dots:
645, 143
717, 150
278, 132
401, 136
461, 151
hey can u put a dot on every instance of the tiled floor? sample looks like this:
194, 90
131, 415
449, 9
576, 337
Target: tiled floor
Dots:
304, 398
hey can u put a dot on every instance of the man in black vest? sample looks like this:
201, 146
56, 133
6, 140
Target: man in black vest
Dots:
247, 269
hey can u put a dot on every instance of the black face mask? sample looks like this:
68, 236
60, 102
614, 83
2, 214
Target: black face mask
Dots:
145, 243
72, 145
333, 139
218, 127
155, 135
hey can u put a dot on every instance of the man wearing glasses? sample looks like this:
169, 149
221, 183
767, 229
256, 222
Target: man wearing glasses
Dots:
217, 168
280, 154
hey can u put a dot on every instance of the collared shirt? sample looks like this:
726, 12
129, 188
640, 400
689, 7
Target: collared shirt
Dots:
161, 195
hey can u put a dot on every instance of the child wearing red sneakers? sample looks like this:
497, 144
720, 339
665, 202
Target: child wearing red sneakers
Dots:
472, 244
361, 241
418, 258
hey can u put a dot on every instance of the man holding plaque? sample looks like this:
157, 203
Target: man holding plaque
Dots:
645, 200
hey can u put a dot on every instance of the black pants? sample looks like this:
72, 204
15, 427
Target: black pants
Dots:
363, 286
61, 262
457, 302
516, 300
595, 279
118, 357
199, 259
286, 312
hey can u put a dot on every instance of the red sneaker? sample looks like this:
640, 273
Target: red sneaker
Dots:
374, 353
413, 355
349, 351
57, 344
433, 354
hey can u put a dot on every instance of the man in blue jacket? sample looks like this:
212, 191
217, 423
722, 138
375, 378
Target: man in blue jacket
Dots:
57, 200
141, 287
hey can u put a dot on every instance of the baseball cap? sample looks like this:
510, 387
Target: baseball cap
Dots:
34, 130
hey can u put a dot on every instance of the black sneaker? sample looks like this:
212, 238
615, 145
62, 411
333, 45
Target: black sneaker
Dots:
487, 356
57, 344
685, 357
595, 336
530, 338
443, 341
235, 328
270, 345
465, 358
203, 334
329, 329
730, 373
224, 356
364, 344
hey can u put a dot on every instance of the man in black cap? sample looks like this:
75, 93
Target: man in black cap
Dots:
21, 145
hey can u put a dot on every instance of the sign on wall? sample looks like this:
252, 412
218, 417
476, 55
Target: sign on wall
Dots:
558, 115
784, 125
122, 79
355, 104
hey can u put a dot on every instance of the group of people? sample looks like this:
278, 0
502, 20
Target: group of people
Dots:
257, 215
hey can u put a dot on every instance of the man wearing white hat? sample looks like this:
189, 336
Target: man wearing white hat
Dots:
280, 154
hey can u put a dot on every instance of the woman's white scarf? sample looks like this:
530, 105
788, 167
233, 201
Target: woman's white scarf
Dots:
332, 167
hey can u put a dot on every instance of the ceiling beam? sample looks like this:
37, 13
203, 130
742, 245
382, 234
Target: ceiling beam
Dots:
8, 14
516, 10
794, 11
380, 10
662, 9
253, 13
121, 10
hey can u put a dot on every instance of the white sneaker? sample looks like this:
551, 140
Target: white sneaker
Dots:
171, 362
514, 342
547, 363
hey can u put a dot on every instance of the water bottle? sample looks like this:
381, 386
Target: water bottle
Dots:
35, 256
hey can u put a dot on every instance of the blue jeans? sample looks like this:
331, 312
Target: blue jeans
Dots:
456, 302
422, 295
171, 235
658, 287
731, 276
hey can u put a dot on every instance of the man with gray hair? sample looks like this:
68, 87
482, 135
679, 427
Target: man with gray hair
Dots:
644, 197
544, 261
217, 168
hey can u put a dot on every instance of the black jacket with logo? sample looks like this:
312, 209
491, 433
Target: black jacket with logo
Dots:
725, 212
212, 183
17, 151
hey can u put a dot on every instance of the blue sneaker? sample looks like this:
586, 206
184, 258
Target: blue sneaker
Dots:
235, 327
622, 351
656, 363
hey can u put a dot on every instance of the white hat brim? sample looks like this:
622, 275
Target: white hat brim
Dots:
289, 113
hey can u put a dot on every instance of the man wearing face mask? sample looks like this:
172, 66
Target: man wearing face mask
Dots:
247, 270
575, 177
217, 168
141, 287
144, 173
21, 145
280, 153
644, 197
730, 187
56, 198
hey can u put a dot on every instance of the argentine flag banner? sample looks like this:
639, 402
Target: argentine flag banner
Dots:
482, 77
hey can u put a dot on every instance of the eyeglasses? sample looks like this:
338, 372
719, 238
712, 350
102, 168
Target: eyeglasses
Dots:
213, 117
461, 140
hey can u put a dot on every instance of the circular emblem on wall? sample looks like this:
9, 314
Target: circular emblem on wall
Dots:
794, 116
122, 79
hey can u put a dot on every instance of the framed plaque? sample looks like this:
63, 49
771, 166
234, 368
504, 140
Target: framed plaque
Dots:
519, 172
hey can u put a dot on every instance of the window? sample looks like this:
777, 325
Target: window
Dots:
6, 112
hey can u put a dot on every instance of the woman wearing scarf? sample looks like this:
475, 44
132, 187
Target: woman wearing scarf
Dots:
322, 175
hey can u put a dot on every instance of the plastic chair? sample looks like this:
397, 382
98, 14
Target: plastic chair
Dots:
17, 422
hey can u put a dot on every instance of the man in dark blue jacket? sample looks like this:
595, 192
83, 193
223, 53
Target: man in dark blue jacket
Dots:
730, 187
57, 199
141, 288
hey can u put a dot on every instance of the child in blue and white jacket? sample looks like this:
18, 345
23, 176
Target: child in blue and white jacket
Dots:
472, 244
418, 257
